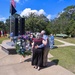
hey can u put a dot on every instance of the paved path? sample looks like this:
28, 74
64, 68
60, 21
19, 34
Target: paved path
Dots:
10, 65
64, 43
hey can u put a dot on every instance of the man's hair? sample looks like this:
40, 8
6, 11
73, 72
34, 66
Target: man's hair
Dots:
43, 31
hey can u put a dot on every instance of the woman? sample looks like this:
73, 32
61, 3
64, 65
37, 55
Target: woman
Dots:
37, 57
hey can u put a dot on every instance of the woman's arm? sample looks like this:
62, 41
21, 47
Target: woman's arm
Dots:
44, 43
32, 44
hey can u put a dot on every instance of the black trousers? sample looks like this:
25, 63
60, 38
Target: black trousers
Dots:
37, 57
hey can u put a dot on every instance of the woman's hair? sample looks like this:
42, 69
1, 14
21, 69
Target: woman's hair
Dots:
38, 35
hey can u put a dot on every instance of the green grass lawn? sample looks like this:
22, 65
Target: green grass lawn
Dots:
3, 38
57, 42
66, 57
70, 40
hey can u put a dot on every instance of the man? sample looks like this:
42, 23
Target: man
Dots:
46, 47
51, 38
11, 36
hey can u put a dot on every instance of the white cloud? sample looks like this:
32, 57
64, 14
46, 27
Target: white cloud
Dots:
2, 18
28, 11
16, 0
20, 1
49, 16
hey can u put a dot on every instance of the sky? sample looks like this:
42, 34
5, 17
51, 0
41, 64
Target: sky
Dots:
50, 8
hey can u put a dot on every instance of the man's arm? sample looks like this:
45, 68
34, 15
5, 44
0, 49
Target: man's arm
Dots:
44, 43
40, 46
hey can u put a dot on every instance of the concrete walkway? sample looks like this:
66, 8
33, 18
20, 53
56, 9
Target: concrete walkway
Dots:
10, 65
64, 43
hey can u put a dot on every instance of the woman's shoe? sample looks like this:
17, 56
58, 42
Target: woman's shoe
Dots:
35, 67
38, 68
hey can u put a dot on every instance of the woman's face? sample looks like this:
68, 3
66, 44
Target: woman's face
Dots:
31, 35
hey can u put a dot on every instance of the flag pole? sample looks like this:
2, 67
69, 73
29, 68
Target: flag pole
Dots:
12, 11
10, 16
10, 23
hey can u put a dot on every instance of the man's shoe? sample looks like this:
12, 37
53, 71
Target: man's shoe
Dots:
45, 66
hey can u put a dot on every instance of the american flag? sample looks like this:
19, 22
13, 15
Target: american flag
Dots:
13, 3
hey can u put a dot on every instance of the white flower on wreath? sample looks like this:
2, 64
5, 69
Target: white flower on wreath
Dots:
20, 47
18, 43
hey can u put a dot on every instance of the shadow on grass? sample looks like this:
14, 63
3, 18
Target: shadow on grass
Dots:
55, 61
51, 63
55, 47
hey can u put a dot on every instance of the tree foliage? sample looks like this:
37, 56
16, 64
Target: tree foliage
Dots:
36, 23
2, 25
65, 23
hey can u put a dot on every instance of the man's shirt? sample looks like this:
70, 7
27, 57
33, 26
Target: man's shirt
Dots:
45, 37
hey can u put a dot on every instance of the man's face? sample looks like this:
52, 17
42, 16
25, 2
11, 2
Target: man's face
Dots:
41, 34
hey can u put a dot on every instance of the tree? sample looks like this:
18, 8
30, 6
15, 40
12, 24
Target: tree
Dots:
2, 25
65, 22
7, 25
36, 23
